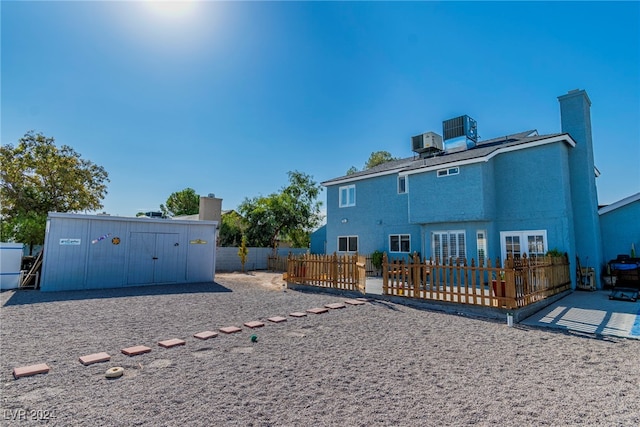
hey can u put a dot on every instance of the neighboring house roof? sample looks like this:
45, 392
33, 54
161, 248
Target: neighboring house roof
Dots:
193, 217
620, 203
483, 151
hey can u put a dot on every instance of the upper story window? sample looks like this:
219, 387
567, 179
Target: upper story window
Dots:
448, 171
402, 184
347, 196
399, 243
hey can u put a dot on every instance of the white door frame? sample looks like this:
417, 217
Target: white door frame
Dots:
523, 236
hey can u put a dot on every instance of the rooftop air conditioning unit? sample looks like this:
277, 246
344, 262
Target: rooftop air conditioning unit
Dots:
429, 142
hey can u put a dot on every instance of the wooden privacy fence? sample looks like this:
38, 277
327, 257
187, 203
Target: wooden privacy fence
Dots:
345, 272
517, 283
277, 263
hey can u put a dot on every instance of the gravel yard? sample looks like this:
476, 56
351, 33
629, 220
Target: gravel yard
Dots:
373, 364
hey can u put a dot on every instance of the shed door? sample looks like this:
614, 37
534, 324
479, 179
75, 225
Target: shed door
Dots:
153, 258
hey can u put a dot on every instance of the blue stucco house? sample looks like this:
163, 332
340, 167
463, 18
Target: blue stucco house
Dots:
620, 225
459, 197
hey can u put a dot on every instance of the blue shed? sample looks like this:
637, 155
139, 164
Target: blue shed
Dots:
101, 251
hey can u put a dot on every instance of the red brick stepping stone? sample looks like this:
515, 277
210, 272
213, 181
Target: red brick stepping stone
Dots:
171, 343
94, 358
27, 371
298, 314
230, 329
335, 305
135, 350
317, 310
205, 335
277, 319
354, 302
254, 324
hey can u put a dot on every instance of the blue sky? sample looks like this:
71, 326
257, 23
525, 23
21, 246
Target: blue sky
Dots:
226, 97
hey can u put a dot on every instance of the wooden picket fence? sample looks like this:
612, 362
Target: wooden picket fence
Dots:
345, 272
279, 263
515, 284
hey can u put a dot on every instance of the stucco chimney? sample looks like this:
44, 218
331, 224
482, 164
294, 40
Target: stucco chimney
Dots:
210, 209
575, 117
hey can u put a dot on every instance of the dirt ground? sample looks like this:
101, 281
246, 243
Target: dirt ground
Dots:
375, 364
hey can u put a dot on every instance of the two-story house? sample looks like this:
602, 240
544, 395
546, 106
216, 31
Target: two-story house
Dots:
462, 198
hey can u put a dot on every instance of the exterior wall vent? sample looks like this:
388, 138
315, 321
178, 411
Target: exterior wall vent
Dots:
426, 144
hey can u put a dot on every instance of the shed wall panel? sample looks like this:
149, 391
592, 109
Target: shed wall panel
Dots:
107, 253
92, 252
201, 251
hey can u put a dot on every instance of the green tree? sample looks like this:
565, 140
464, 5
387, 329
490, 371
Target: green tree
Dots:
38, 177
377, 158
26, 228
293, 210
185, 202
243, 251
231, 229
352, 170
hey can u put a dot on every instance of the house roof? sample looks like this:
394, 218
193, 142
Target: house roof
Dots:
620, 203
481, 152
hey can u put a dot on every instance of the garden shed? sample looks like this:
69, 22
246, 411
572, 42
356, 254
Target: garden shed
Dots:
102, 251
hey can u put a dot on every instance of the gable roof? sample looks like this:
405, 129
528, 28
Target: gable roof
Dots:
483, 151
620, 203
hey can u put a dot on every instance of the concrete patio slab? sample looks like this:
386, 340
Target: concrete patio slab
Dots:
592, 313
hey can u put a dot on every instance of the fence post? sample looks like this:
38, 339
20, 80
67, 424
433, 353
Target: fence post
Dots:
385, 274
416, 274
510, 281
334, 271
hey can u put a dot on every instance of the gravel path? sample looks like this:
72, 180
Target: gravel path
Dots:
375, 364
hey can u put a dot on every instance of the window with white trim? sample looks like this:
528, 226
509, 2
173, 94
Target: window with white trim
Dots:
448, 171
448, 244
347, 243
517, 243
402, 184
347, 196
399, 243
481, 244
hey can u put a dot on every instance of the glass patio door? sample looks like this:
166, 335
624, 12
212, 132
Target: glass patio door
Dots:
517, 243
